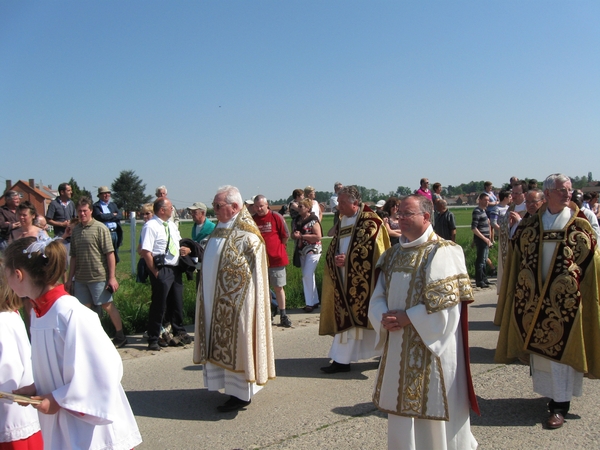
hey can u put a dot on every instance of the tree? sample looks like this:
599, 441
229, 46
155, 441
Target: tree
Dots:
128, 191
403, 191
77, 192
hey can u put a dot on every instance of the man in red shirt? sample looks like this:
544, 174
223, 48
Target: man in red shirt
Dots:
275, 233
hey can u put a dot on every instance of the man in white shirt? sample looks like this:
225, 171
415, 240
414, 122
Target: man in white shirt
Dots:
160, 249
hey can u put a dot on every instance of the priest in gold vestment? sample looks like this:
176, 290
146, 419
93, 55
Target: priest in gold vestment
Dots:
419, 311
233, 327
548, 304
349, 279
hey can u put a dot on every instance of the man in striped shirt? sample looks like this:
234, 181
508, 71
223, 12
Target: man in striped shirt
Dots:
480, 226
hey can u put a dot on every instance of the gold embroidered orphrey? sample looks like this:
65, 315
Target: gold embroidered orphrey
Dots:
418, 366
236, 264
557, 319
350, 297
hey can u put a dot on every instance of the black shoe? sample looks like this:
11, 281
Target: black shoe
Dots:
483, 286
185, 338
336, 367
162, 342
154, 346
285, 322
118, 343
233, 404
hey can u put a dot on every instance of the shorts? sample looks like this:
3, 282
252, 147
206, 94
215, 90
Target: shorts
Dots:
277, 276
92, 293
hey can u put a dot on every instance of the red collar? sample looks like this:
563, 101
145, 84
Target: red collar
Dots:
42, 304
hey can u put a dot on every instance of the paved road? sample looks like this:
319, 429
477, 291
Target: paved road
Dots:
305, 409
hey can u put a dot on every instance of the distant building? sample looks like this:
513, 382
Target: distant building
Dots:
38, 195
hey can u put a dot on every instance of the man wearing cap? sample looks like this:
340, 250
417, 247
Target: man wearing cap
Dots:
109, 214
250, 206
202, 227
379, 206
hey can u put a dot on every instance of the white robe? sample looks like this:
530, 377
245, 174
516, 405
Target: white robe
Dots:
215, 377
441, 333
354, 344
76, 362
16, 422
559, 382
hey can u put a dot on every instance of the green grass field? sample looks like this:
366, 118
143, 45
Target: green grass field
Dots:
133, 299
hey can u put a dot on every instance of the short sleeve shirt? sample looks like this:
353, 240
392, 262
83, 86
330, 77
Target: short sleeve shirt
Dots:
154, 239
273, 229
481, 222
89, 245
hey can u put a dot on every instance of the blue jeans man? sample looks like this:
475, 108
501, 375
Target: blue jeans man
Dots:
482, 255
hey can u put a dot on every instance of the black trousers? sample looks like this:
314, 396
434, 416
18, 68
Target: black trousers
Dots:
167, 296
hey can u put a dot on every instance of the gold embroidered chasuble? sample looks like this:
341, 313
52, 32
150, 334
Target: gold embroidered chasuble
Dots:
240, 336
431, 283
345, 302
558, 319
504, 234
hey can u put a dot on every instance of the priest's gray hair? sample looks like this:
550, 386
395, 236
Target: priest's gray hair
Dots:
232, 195
425, 205
351, 192
160, 188
550, 181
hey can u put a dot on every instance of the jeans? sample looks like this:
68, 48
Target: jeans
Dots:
482, 256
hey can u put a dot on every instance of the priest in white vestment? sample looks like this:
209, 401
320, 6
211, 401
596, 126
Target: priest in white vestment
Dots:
548, 308
233, 328
419, 311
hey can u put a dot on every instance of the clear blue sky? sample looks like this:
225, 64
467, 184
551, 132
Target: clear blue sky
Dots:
275, 95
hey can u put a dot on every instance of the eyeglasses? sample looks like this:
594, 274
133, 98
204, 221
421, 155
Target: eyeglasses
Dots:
532, 202
563, 191
408, 215
218, 206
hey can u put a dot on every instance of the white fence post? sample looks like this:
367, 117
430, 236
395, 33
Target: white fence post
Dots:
133, 242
